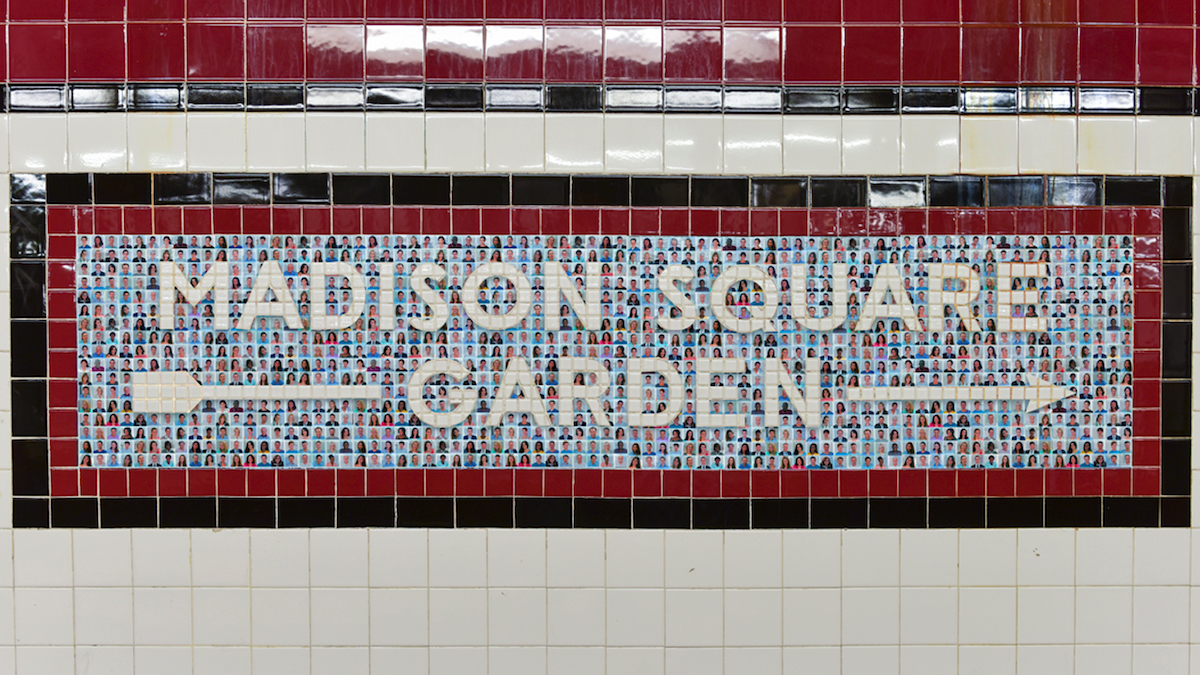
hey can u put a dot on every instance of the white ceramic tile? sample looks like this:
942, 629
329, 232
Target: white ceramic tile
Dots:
575, 558
928, 557
572, 660
1104, 615
221, 616
103, 616
754, 144
38, 142
395, 141
928, 659
221, 557
812, 145
634, 558
516, 660
988, 660
871, 145
335, 141
102, 557
754, 617
97, 142
929, 144
575, 143
928, 616
42, 558
341, 661
870, 661
457, 558
517, 616
149, 660
1107, 145
339, 617
399, 617
1045, 615
1104, 557
987, 615
987, 557
989, 144
162, 616
279, 558
1160, 659
1164, 145
45, 659
281, 660
648, 660
768, 661
104, 660
1160, 614
338, 557
275, 141
454, 142
43, 616
812, 660
753, 559
694, 559
1104, 659
693, 144
1047, 144
694, 617
157, 141
399, 660
633, 143
1046, 557
1045, 659
216, 141
575, 616
8, 618
693, 661
398, 558
4, 143
516, 558
635, 617
812, 616
221, 661
871, 558
458, 661
280, 616
1161, 557
812, 558
458, 616
515, 141
870, 616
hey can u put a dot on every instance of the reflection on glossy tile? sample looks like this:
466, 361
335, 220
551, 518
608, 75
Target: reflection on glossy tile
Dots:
38, 142
633, 53
929, 144
633, 143
871, 144
693, 143
395, 51
97, 142
753, 144
812, 144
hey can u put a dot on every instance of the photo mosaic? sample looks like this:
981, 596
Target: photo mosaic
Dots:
824, 352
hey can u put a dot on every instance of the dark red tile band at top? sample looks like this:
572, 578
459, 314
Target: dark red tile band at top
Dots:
1123, 42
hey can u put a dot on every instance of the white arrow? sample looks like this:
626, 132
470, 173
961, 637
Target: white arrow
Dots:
178, 392
1039, 395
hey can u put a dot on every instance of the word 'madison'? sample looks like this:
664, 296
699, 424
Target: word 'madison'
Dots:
605, 351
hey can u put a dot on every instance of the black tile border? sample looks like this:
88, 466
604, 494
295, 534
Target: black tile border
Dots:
598, 98
31, 506
31, 193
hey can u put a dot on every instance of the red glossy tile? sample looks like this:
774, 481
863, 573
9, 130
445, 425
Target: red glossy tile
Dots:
647, 483
1118, 482
231, 482
1001, 482
64, 483
931, 54
454, 52
852, 483
575, 9
321, 482
335, 52
929, 11
756, 11
514, 9
633, 10
290, 482
89, 482
633, 53
37, 10
498, 482
588, 483
97, 51
1048, 54
1146, 482
1166, 56
677, 483
971, 483
706, 484
752, 55
201, 482
872, 11
335, 9
260, 483
991, 53
794, 483
455, 9
765, 484
468, 482
692, 54
351, 482
617, 483
1030, 483
114, 483
883, 483
528, 482
275, 9
735, 484
872, 54
1107, 54
514, 52
990, 11
1172, 12
812, 11
395, 52
1059, 482
823, 483
1087, 483
559, 483
95, 10
209, 9
275, 52
411, 482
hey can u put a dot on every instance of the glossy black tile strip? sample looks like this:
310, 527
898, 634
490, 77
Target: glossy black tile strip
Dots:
30, 192
474, 96
597, 513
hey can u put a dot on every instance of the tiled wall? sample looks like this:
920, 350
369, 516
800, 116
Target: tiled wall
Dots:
744, 90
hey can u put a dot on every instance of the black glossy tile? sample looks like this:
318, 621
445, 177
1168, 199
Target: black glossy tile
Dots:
31, 512
513, 97
1132, 191
1177, 191
305, 512
245, 512
831, 192
188, 512
957, 513
1015, 512
692, 99
30, 467
183, 188
662, 514
28, 284
216, 96
1176, 408
1016, 191
637, 98
1175, 512
366, 512
1074, 191
597, 514
732, 191
929, 100
487, 190
1165, 101
29, 408
421, 190
27, 188
720, 514
362, 190
1131, 512
1176, 470
69, 188
541, 190
574, 98
779, 192
240, 188
1177, 234
37, 98
1074, 511
543, 512
776, 514
122, 188
483, 512
1177, 290
990, 100
388, 97
335, 97
812, 101
28, 349
454, 97
1177, 349
275, 96
425, 512
661, 191
27, 237
300, 188
75, 512
155, 97
956, 191
907, 512
837, 513
896, 192
872, 100
600, 191
128, 512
